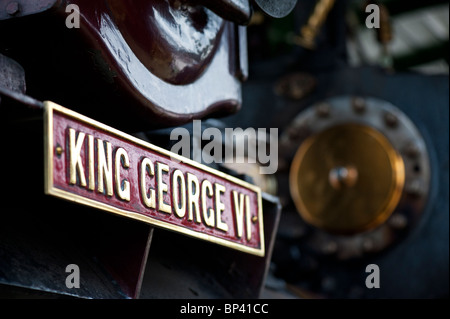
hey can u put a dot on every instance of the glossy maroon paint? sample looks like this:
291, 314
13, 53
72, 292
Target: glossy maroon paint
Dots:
174, 64
136, 153
174, 42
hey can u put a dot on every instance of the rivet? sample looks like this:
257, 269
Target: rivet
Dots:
12, 8
323, 110
390, 119
359, 105
59, 150
254, 219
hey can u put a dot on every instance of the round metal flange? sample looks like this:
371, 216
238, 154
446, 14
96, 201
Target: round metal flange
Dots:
360, 174
346, 179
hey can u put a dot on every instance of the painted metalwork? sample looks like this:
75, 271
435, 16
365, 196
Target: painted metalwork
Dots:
92, 164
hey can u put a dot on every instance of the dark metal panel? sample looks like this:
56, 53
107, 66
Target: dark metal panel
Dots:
181, 267
12, 75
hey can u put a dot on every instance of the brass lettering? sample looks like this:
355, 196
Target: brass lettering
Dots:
162, 188
179, 193
208, 213
147, 167
248, 214
193, 194
76, 165
239, 212
220, 207
122, 192
105, 172
91, 163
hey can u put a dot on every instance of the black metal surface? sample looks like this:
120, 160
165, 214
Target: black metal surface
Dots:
12, 75
186, 268
39, 236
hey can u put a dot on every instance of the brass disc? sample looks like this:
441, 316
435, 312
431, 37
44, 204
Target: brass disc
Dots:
347, 179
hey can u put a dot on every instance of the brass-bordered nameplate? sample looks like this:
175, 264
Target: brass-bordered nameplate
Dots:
93, 164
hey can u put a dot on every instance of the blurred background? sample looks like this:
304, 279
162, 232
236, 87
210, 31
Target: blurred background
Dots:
322, 67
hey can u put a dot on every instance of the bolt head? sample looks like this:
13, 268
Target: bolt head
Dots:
323, 110
359, 105
59, 150
12, 8
390, 119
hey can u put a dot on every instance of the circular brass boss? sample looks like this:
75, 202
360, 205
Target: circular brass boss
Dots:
347, 179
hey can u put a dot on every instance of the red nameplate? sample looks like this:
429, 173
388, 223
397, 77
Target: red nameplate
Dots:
92, 164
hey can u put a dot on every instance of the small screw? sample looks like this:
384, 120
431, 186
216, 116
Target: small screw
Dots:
12, 8
59, 150
359, 105
390, 119
323, 110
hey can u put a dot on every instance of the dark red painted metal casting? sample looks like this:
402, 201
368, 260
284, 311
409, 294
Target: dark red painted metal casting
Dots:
175, 63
